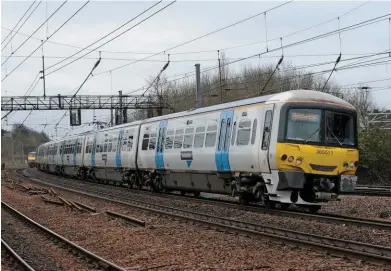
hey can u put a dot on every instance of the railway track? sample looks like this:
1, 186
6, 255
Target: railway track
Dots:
329, 218
332, 245
92, 259
382, 191
7, 252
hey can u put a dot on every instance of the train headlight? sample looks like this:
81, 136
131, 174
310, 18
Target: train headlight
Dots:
284, 157
299, 160
290, 159
345, 165
351, 164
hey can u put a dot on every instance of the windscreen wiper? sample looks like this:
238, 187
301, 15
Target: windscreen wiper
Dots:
312, 134
333, 134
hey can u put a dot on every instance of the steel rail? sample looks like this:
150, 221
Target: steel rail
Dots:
15, 255
333, 245
105, 264
330, 218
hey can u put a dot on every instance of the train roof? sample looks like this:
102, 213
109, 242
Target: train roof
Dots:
304, 95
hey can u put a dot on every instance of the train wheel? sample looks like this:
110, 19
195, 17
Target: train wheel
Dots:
196, 194
183, 193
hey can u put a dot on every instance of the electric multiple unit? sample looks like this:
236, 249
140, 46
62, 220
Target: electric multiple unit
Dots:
295, 147
31, 159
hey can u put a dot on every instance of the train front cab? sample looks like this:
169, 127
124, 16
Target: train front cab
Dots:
31, 159
316, 154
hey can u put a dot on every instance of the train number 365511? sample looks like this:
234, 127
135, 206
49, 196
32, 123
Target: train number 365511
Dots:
325, 152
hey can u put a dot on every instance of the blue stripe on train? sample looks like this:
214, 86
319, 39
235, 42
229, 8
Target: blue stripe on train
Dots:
159, 158
223, 141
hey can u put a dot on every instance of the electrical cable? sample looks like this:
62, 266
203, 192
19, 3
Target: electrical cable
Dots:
200, 37
347, 28
204, 51
22, 24
36, 30
18, 22
43, 42
153, 14
108, 34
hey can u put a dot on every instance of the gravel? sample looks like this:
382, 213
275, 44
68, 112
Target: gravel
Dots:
36, 249
341, 231
167, 244
360, 206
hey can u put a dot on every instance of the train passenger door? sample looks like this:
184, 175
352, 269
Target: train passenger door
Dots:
266, 135
160, 145
223, 142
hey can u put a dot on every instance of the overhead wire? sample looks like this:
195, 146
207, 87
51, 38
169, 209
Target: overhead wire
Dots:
200, 37
24, 42
202, 51
320, 36
44, 41
18, 21
127, 30
105, 36
22, 24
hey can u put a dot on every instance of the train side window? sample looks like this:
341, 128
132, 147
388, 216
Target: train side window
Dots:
109, 145
254, 131
178, 139
244, 129
189, 136
169, 139
144, 145
152, 143
210, 139
130, 142
200, 129
267, 129
105, 146
188, 142
199, 140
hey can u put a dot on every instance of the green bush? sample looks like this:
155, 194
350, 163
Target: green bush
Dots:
375, 155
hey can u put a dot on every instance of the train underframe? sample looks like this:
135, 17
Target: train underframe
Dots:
279, 189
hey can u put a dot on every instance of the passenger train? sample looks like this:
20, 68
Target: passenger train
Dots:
295, 147
31, 157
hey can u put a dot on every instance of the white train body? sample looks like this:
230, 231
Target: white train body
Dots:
240, 148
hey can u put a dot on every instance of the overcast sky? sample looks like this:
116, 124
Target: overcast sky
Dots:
183, 21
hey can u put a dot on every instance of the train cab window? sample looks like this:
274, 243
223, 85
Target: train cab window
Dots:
210, 140
144, 145
254, 131
267, 129
339, 128
169, 139
244, 129
178, 139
